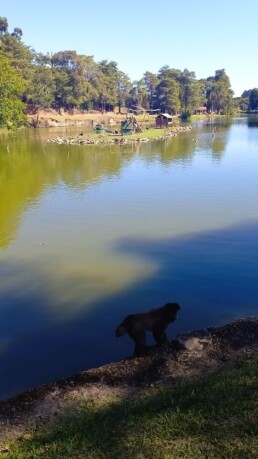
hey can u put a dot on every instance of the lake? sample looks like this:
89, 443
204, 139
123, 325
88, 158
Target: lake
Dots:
89, 234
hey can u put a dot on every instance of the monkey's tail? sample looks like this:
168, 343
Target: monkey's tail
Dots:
121, 330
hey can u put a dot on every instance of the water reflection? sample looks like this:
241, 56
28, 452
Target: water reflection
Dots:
253, 120
91, 233
29, 167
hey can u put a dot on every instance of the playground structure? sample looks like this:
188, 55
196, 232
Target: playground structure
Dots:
136, 122
130, 125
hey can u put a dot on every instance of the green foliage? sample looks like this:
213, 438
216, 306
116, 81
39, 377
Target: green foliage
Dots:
253, 99
241, 103
11, 88
20, 56
189, 91
151, 82
17, 32
186, 114
246, 93
70, 80
168, 91
138, 95
3, 25
42, 88
219, 93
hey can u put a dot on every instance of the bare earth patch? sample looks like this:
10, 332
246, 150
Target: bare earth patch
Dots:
213, 348
55, 118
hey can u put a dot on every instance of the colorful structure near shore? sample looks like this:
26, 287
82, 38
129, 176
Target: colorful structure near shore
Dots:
162, 120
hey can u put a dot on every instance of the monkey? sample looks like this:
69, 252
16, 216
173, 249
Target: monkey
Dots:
155, 320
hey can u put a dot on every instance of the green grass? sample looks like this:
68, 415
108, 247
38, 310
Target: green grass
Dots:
150, 133
212, 417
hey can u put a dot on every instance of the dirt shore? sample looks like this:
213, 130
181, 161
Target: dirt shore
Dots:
190, 355
62, 118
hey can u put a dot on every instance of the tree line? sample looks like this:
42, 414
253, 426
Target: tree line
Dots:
70, 80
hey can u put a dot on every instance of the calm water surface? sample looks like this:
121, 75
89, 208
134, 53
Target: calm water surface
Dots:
90, 234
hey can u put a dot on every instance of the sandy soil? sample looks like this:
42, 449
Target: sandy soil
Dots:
220, 347
54, 118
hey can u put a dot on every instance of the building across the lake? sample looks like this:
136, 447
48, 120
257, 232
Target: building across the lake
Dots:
163, 119
201, 110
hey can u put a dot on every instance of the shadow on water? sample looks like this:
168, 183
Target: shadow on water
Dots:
253, 120
212, 275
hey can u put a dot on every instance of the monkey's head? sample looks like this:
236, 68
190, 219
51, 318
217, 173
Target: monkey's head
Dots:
172, 310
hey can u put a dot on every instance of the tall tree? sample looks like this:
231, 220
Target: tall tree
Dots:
219, 93
11, 88
75, 76
202, 91
168, 95
42, 89
151, 82
3, 25
139, 95
189, 91
110, 82
253, 99
20, 57
17, 32
123, 88
246, 93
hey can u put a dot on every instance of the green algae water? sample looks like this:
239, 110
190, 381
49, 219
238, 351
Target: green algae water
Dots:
89, 234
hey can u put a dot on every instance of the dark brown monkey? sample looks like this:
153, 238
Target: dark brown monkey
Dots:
155, 320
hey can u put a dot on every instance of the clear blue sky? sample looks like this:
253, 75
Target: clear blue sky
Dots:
142, 35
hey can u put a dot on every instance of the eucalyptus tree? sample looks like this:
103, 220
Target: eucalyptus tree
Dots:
168, 95
20, 56
253, 99
219, 93
168, 90
75, 75
110, 74
189, 91
214, 100
151, 82
17, 32
123, 88
246, 93
118, 85
41, 92
42, 60
11, 89
138, 95
102, 98
202, 83
3, 25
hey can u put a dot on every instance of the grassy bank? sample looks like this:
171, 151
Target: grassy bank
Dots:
92, 137
214, 416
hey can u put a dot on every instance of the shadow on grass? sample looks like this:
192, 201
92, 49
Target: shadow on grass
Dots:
213, 417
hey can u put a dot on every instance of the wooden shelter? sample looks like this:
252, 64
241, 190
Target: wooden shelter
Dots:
200, 110
163, 119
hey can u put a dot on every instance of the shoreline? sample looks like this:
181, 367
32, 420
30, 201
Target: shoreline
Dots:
118, 139
189, 355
